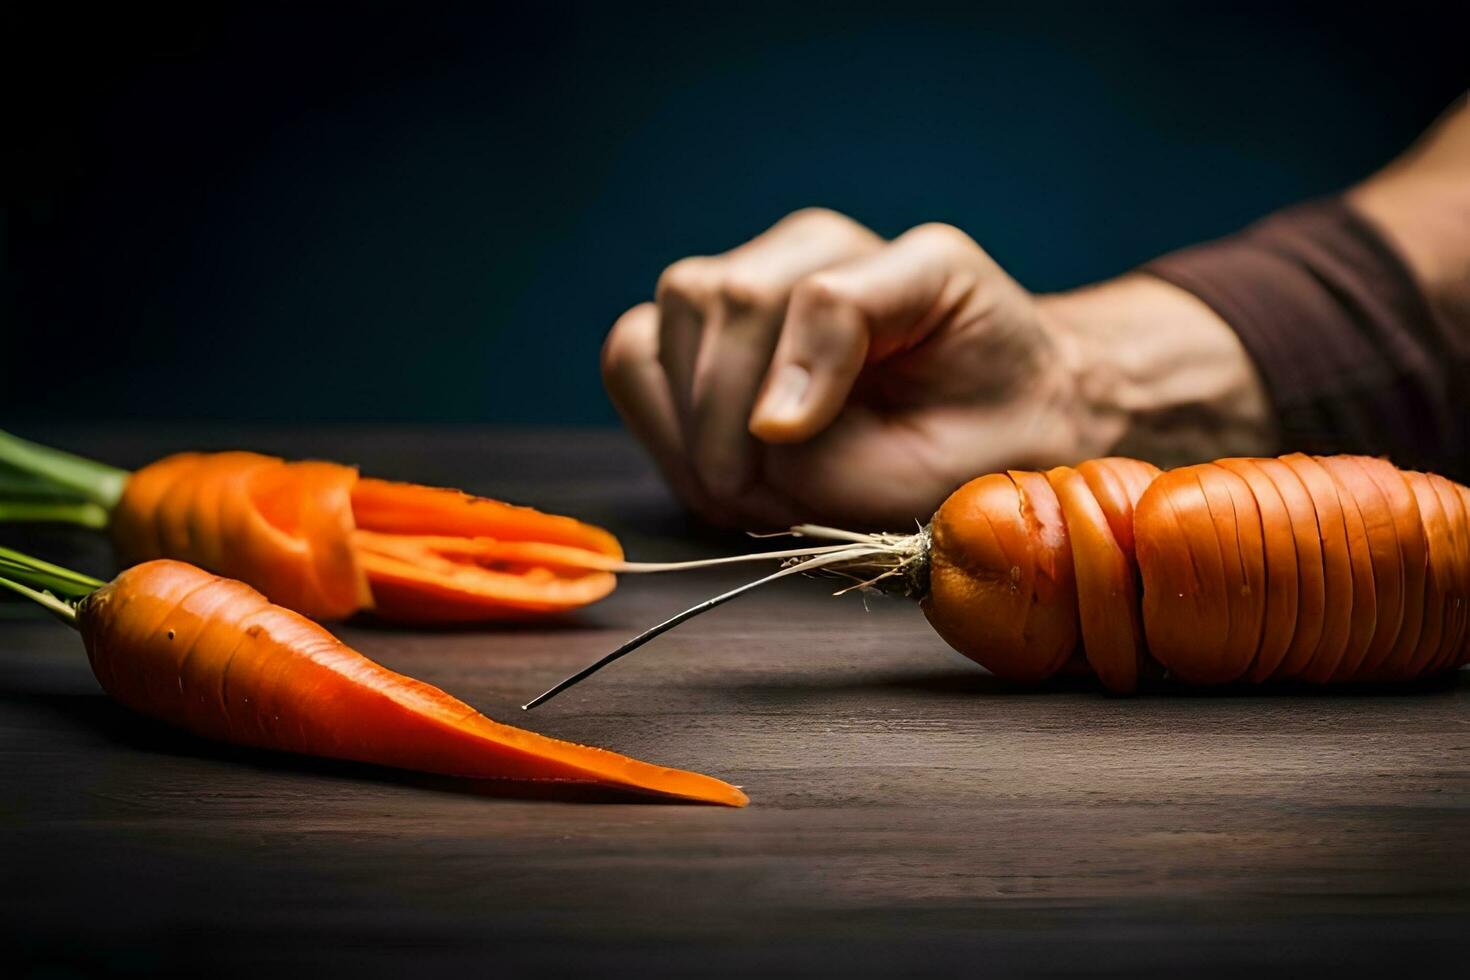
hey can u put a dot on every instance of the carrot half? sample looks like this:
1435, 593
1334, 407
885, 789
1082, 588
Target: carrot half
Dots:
318, 538
214, 657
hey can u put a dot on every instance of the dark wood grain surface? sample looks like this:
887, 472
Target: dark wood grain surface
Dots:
910, 815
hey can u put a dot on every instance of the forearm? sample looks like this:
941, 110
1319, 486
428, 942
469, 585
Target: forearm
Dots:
1342, 325
1421, 204
1159, 374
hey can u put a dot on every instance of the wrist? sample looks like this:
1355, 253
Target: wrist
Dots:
1156, 374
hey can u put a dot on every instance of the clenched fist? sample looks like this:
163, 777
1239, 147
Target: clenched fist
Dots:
818, 372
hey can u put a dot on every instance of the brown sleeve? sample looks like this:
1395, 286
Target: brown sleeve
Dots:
1353, 356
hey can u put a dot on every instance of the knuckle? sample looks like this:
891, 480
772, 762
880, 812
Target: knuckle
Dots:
688, 279
943, 236
817, 216
825, 221
740, 290
823, 290
631, 341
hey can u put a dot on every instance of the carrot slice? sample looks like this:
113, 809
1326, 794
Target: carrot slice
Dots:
1051, 618
1457, 612
1413, 552
406, 508
427, 579
1464, 655
1385, 554
1282, 585
1337, 566
1237, 523
983, 582
421, 577
1111, 494
1366, 611
1437, 574
1184, 613
1311, 574
1107, 598
1118, 482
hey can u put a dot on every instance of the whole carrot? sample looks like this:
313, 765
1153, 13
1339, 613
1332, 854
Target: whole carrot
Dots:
212, 656
1303, 568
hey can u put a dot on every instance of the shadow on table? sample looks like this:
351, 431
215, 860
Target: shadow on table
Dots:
979, 683
100, 714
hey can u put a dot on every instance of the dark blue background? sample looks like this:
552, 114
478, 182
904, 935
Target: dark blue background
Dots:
429, 212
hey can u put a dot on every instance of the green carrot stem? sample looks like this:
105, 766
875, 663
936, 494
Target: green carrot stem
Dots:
83, 513
60, 608
44, 575
96, 482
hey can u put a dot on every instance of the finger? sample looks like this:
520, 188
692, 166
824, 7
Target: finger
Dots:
685, 296
638, 387
739, 337
863, 311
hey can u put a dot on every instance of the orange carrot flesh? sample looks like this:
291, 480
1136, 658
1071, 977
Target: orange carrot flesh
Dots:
1337, 566
1414, 561
282, 527
429, 579
1462, 656
1242, 550
1186, 610
1385, 560
214, 657
984, 523
1279, 564
1311, 618
1108, 605
1433, 637
319, 539
1051, 615
1457, 608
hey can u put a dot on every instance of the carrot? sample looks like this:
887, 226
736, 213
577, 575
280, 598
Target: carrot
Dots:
1112, 637
214, 657
1322, 569
318, 538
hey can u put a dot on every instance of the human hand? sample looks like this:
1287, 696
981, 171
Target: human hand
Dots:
820, 373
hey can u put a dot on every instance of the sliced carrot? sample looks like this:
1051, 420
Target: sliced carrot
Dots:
1112, 636
1337, 568
1363, 624
1117, 482
284, 527
1311, 573
1385, 555
134, 523
1457, 611
290, 529
1464, 652
444, 580
406, 508
1279, 558
1183, 618
1413, 552
421, 579
1237, 522
1051, 618
1437, 573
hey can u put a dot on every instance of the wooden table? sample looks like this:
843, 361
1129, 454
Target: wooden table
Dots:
909, 814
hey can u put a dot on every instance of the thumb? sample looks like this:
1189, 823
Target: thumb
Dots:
861, 312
